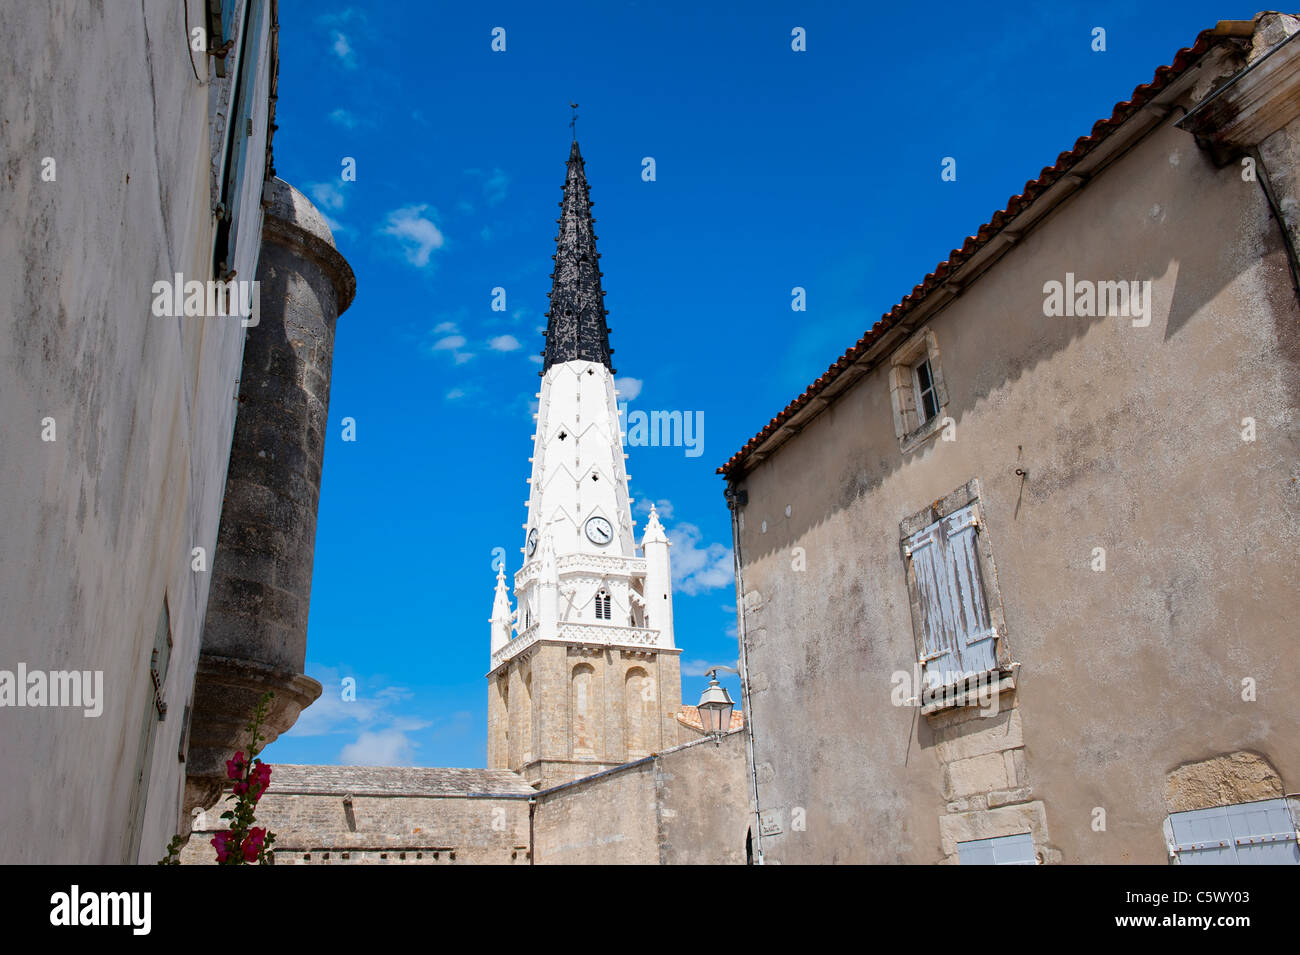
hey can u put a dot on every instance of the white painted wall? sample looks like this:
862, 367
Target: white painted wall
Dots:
99, 525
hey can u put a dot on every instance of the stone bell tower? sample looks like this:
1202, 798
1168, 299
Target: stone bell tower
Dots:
584, 671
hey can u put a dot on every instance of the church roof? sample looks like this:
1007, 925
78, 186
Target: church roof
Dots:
395, 781
576, 328
834, 381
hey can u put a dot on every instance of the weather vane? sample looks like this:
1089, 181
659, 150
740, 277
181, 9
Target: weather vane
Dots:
573, 123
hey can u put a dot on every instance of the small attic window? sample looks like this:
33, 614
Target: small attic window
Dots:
594, 478
917, 391
563, 435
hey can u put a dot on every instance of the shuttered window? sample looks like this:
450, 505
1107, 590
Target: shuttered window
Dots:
958, 638
1004, 850
241, 192
1252, 833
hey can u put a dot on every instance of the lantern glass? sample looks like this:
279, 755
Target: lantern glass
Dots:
715, 708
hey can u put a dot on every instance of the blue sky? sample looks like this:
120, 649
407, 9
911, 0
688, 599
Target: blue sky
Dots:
774, 169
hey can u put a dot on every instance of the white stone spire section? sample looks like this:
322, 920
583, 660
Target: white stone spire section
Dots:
582, 581
658, 594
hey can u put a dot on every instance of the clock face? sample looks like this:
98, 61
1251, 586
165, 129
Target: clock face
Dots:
532, 542
599, 531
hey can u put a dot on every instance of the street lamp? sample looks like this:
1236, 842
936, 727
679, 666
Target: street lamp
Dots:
715, 704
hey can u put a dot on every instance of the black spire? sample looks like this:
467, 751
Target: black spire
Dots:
576, 329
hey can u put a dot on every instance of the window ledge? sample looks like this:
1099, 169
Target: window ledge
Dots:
952, 697
919, 436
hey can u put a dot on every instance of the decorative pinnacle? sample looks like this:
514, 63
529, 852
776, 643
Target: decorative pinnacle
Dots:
654, 531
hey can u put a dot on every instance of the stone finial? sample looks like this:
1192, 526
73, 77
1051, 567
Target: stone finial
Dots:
654, 531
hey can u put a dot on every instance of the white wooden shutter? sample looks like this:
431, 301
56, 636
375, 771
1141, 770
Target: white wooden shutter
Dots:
1253, 833
958, 638
938, 650
976, 636
1002, 850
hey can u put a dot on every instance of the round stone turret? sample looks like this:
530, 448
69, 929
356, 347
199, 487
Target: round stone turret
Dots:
255, 635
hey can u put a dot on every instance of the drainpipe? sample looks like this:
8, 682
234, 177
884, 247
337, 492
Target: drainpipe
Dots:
1261, 173
734, 500
532, 812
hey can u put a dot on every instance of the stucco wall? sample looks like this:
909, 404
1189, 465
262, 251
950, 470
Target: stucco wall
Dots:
100, 523
688, 806
1131, 438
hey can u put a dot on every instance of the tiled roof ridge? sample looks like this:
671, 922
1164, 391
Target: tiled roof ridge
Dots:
1123, 111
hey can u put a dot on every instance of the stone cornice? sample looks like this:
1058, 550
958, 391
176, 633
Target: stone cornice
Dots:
1252, 105
601, 565
583, 635
306, 244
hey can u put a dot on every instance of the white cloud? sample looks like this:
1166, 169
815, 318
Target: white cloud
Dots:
535, 359
663, 506
494, 188
343, 50
460, 725
504, 343
495, 184
344, 118
443, 328
696, 667
455, 393
628, 388
416, 231
698, 567
343, 17
381, 733
450, 343
390, 747
326, 195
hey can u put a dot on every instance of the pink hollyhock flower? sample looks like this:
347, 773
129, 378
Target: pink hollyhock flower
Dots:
222, 842
235, 767
240, 788
260, 779
253, 844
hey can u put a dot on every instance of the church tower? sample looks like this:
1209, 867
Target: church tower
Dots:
584, 671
